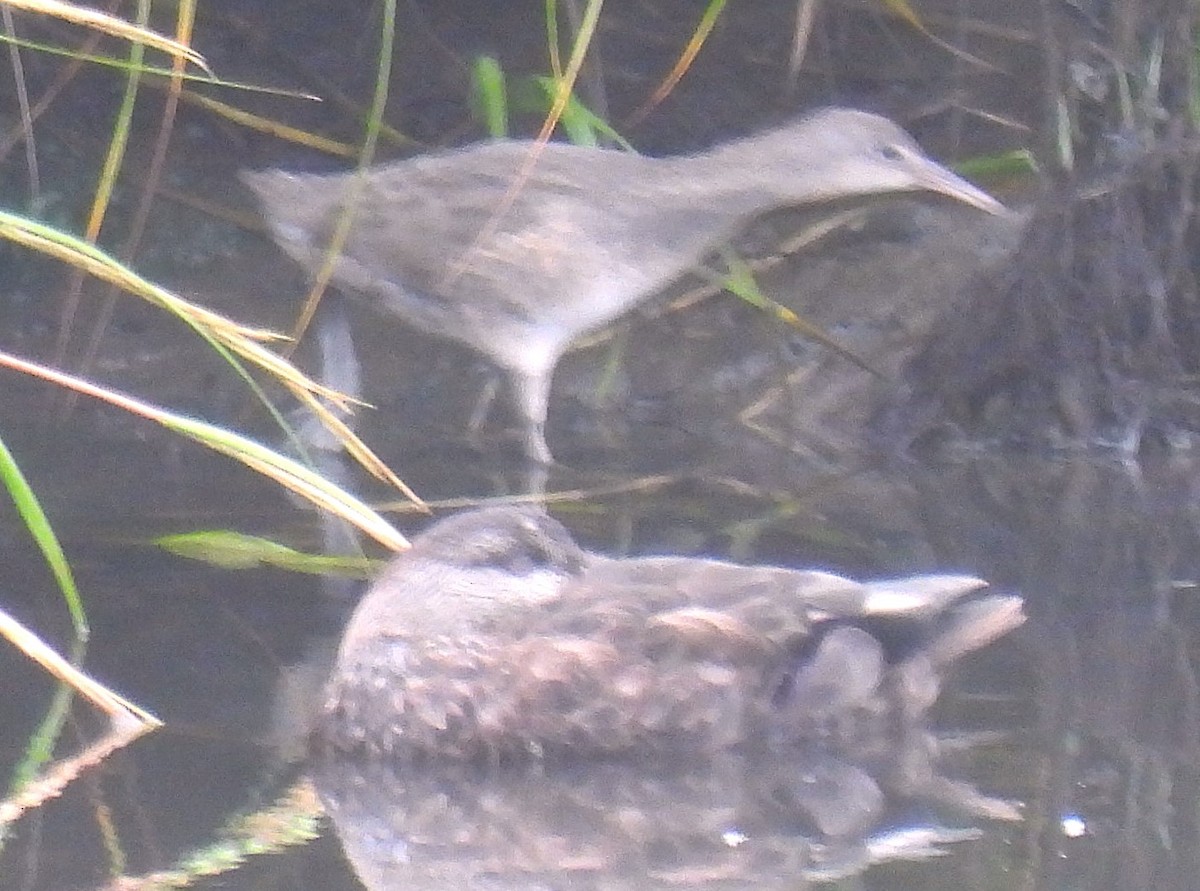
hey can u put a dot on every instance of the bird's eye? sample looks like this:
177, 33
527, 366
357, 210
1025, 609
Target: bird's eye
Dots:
891, 152
522, 562
523, 558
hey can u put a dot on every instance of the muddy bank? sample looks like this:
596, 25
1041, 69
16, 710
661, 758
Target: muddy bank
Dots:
1088, 336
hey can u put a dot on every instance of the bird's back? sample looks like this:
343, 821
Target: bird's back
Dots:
628, 656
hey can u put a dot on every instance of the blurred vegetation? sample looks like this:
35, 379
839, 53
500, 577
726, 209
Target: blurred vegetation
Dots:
655, 73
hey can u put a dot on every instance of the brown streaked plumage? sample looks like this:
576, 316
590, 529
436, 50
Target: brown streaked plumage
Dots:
497, 637
589, 233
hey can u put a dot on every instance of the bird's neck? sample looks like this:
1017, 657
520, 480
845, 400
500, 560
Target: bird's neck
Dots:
743, 177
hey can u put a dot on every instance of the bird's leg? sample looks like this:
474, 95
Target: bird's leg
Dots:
483, 406
531, 396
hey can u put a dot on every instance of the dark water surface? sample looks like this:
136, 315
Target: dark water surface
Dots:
1064, 756
1085, 720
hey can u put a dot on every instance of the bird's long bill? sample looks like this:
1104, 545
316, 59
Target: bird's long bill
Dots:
936, 178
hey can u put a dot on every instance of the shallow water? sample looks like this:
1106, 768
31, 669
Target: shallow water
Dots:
1089, 713
1087, 718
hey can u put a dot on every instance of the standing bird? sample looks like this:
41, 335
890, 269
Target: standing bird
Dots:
519, 260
